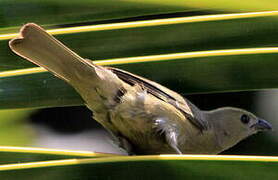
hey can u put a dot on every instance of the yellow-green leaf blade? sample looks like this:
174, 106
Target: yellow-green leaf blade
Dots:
160, 36
12, 154
149, 167
187, 73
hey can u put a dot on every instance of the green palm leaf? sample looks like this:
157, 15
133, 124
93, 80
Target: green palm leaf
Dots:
132, 36
181, 53
147, 167
11, 154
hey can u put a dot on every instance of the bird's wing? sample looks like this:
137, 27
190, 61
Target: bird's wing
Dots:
164, 94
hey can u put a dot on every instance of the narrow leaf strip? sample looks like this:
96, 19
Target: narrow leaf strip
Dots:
149, 23
67, 162
186, 55
52, 151
154, 58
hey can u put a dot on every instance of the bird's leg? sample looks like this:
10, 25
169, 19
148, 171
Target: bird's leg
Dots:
116, 137
171, 138
169, 131
125, 144
122, 142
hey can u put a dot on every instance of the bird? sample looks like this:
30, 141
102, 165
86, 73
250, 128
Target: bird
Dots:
142, 116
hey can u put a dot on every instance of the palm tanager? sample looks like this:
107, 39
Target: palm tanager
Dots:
143, 116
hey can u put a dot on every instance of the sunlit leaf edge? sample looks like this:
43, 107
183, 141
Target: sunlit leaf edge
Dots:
154, 58
67, 162
34, 150
155, 22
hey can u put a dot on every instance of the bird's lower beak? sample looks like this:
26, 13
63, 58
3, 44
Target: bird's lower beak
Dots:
262, 125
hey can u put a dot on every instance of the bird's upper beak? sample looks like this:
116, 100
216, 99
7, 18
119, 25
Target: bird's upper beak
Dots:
262, 125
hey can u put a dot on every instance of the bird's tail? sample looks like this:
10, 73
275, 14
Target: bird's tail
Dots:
94, 83
39, 47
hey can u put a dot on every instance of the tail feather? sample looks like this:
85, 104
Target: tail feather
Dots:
97, 85
39, 47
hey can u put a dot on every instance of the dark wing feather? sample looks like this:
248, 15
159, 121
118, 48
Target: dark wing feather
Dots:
164, 94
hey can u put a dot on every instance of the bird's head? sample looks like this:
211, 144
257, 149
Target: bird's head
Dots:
232, 125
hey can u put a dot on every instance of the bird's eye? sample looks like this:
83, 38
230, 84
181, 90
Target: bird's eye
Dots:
245, 119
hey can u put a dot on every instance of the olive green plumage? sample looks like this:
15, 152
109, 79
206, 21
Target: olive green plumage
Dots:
143, 116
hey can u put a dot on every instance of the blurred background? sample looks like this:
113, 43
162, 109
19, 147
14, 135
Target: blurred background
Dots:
72, 127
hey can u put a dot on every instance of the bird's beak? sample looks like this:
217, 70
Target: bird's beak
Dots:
262, 125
